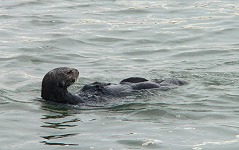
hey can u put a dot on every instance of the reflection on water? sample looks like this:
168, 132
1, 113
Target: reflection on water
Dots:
61, 125
52, 137
60, 117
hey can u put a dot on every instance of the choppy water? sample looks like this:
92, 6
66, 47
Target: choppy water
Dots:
108, 40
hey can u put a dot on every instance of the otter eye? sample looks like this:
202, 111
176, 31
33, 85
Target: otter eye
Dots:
62, 84
69, 72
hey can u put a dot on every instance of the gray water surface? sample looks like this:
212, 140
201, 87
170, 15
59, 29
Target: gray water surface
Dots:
108, 40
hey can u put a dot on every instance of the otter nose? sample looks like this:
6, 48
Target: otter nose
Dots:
75, 72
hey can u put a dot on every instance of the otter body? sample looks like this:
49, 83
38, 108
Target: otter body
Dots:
56, 82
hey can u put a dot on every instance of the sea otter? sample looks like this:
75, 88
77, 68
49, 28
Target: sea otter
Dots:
56, 82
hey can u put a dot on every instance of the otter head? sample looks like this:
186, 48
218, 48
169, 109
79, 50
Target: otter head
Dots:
55, 83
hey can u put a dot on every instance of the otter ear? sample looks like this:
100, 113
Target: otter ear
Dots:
62, 84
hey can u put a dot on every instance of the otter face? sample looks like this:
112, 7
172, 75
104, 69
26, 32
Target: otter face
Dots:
63, 76
56, 81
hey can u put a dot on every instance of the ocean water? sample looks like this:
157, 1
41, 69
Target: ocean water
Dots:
108, 40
